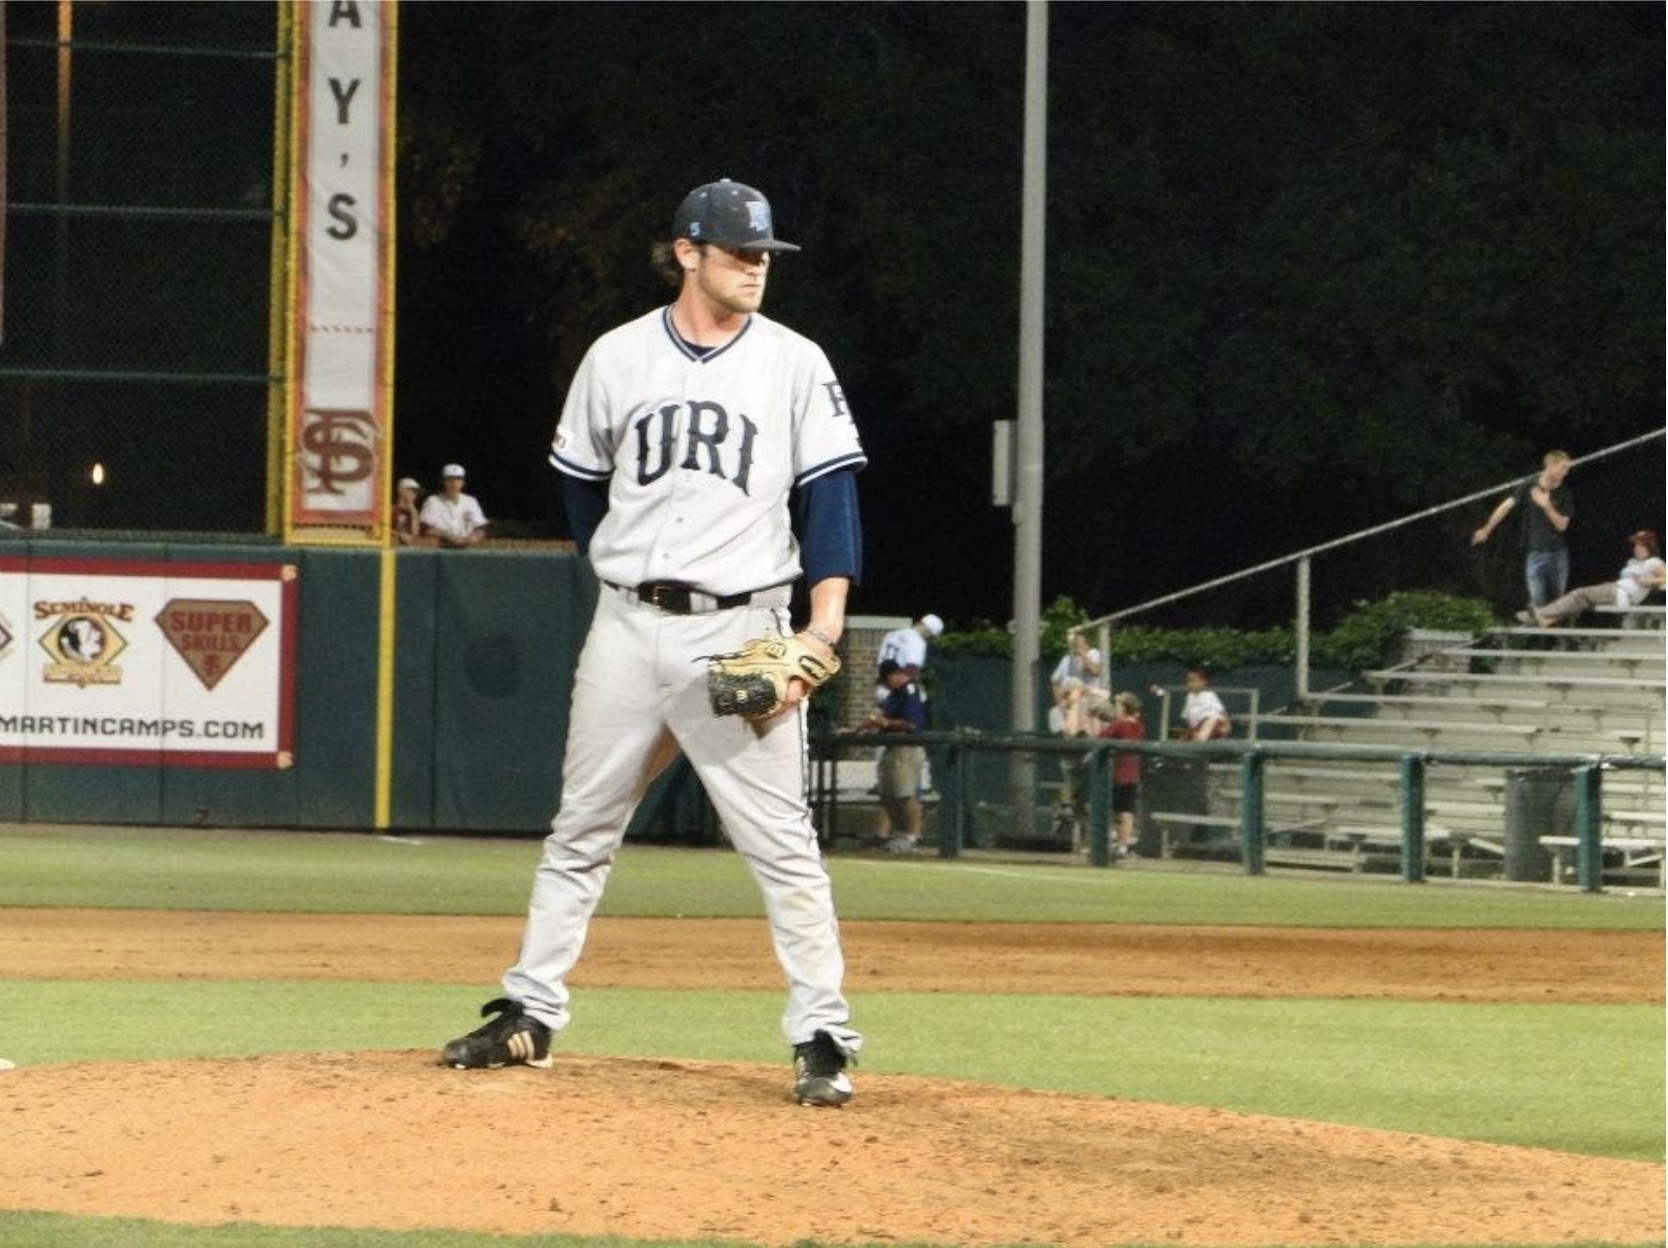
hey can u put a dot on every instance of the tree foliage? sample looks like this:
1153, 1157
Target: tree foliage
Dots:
1309, 267
1369, 633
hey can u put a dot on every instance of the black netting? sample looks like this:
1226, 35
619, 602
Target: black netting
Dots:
134, 371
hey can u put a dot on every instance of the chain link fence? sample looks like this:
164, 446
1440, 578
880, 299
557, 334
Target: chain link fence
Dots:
135, 370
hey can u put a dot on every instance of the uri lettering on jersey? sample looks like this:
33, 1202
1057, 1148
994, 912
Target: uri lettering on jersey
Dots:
711, 441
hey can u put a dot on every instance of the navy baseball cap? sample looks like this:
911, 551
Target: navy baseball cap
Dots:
729, 214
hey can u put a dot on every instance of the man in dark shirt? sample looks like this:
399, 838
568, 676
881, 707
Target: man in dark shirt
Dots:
1547, 507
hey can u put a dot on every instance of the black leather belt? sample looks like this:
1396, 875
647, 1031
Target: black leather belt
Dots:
675, 599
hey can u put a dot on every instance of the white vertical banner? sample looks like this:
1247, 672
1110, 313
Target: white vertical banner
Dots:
342, 243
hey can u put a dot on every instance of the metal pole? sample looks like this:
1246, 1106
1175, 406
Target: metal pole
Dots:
1028, 492
1028, 441
952, 837
67, 439
1303, 603
1589, 825
1251, 825
1413, 818
1100, 810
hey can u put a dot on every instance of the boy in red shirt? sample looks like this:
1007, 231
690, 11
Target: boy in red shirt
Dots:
1125, 724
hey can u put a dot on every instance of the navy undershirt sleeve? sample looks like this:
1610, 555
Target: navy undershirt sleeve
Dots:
586, 503
829, 527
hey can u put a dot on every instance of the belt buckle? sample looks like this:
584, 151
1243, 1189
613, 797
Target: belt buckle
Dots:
673, 599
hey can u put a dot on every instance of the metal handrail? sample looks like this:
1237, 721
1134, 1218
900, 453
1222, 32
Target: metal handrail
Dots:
1351, 538
1587, 770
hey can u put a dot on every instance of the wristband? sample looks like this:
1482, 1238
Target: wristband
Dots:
814, 631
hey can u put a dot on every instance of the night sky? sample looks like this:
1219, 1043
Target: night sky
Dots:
1311, 267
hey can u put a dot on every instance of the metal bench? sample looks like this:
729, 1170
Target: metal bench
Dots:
1169, 821
1498, 707
1337, 725
1361, 836
1629, 663
1639, 854
1563, 686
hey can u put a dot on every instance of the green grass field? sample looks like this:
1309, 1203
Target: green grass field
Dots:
1581, 1078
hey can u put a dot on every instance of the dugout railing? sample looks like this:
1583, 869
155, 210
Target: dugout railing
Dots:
956, 755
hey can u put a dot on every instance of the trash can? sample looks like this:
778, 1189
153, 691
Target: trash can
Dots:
1540, 801
1169, 784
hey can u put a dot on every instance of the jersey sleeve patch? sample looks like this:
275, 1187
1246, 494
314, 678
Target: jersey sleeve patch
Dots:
853, 460
563, 463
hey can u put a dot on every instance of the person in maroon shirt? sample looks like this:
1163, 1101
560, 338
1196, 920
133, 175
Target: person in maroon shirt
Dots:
1124, 724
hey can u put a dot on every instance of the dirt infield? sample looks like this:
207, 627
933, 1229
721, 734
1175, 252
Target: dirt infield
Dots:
683, 1150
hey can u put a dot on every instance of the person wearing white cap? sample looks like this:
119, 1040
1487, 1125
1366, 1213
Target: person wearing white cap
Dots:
452, 516
907, 647
407, 524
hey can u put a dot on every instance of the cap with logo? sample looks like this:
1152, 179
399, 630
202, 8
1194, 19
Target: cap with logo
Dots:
451, 470
729, 214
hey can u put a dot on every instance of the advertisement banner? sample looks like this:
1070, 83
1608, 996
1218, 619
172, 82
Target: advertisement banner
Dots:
343, 231
173, 664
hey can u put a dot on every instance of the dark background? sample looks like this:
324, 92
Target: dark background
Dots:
1311, 267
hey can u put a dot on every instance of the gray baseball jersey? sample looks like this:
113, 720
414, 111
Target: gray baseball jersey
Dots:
701, 452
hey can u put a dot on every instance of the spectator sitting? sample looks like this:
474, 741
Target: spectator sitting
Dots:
1639, 576
452, 516
1079, 685
407, 525
1205, 717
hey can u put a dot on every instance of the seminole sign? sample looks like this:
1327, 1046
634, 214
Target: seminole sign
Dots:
183, 664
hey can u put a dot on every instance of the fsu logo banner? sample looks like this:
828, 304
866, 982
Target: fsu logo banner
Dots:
340, 422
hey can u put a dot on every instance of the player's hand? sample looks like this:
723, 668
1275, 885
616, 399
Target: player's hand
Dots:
798, 690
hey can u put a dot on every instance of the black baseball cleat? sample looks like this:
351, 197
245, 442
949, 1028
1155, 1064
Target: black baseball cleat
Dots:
511, 1039
819, 1072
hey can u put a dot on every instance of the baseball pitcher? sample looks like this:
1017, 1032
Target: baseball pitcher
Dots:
708, 462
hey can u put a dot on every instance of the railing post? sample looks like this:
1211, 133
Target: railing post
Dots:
1251, 828
1413, 817
1100, 851
952, 837
1589, 829
1302, 673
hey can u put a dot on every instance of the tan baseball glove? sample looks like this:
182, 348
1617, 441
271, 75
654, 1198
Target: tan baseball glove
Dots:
753, 682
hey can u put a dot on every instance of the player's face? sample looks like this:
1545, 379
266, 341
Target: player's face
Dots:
733, 280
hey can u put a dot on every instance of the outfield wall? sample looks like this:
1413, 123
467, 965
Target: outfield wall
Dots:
285, 645
483, 649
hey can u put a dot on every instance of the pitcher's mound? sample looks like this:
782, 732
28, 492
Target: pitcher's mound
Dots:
703, 1150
